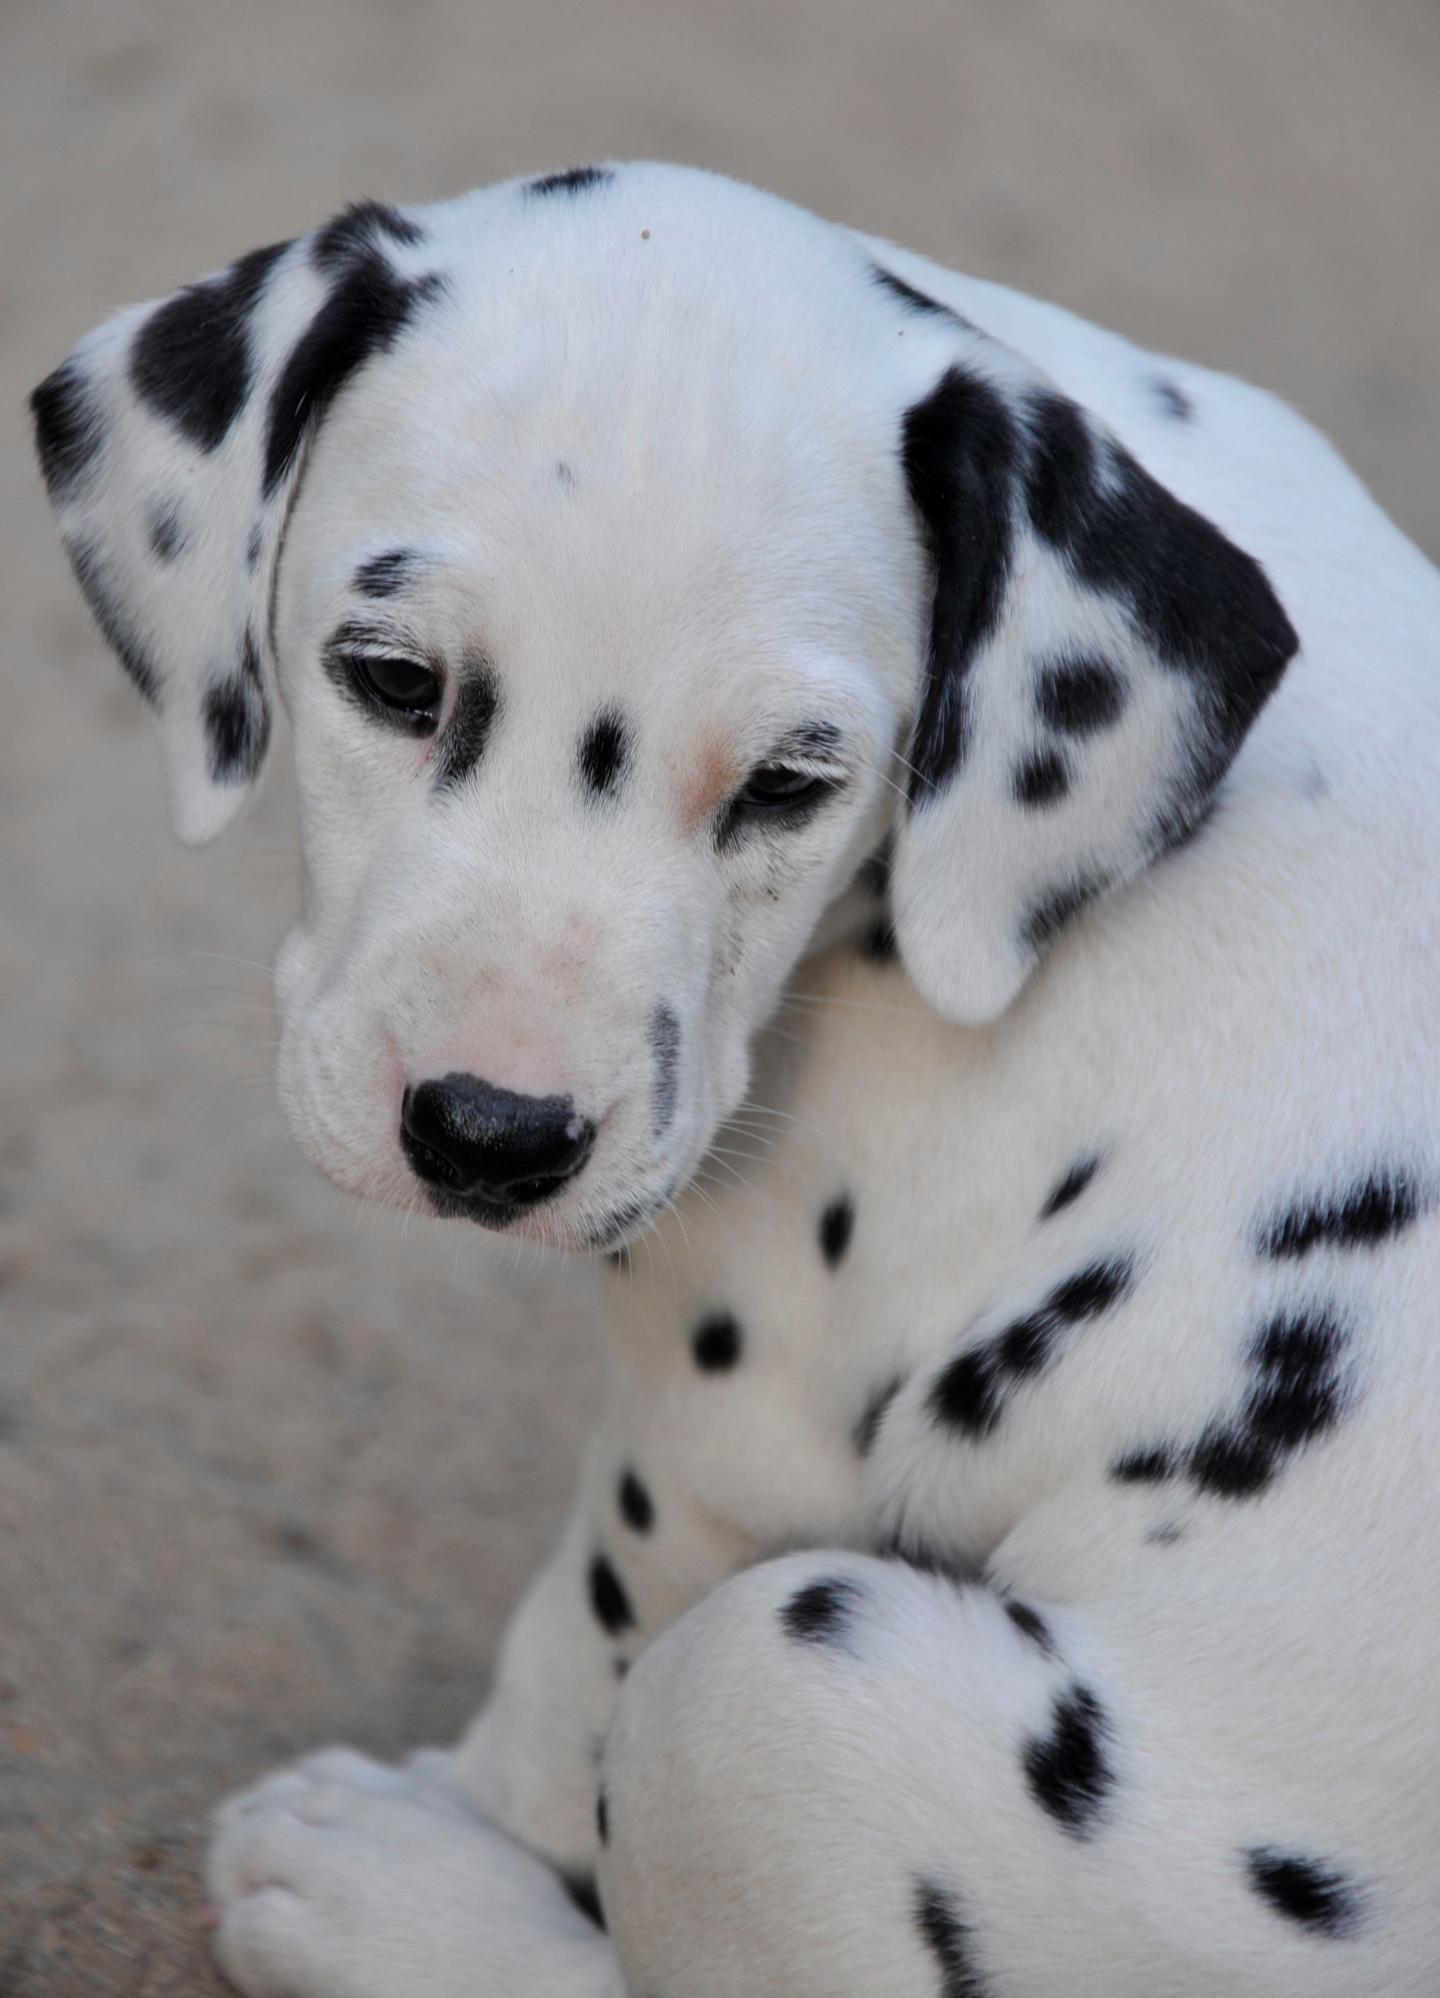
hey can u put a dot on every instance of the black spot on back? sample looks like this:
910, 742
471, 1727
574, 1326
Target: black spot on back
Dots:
1040, 779
385, 575
1368, 1212
637, 1508
1068, 1189
1080, 696
1031, 1624
1172, 399
364, 225
716, 1343
1052, 912
604, 754
1306, 1891
165, 529
959, 448
867, 1427
949, 1940
572, 180
69, 429
665, 1049
837, 1225
608, 1598
99, 592
821, 1612
1067, 1769
191, 362
462, 742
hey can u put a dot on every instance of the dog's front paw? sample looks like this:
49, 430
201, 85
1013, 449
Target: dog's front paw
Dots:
341, 1878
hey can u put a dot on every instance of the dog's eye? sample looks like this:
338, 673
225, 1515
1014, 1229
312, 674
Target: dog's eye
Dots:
397, 683
771, 787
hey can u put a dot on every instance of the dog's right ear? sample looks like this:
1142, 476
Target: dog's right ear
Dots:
171, 440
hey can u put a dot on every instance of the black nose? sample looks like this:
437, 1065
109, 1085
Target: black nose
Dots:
469, 1138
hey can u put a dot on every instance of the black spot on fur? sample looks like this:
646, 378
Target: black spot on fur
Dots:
583, 1891
1370, 1211
1317, 1896
1040, 779
950, 1940
367, 310
602, 1818
1031, 1624
386, 575
573, 180
99, 592
867, 1428
716, 1343
465, 735
364, 225
192, 360
1067, 1770
1068, 1189
918, 301
1144, 1467
1080, 696
608, 1598
237, 722
637, 1508
837, 1225
665, 1047
165, 529
604, 754
820, 1613
69, 429
971, 1392
959, 449
1294, 1398
1051, 913
1173, 399
879, 943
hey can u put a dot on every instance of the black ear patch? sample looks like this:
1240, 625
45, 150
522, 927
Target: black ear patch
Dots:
1080, 696
237, 721
69, 431
99, 592
165, 529
191, 362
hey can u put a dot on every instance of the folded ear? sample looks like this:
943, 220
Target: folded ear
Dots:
1097, 652
170, 441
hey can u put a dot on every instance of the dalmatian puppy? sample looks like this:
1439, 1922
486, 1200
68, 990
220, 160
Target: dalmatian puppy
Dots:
909, 826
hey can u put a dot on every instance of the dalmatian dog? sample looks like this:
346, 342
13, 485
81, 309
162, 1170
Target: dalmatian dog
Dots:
907, 825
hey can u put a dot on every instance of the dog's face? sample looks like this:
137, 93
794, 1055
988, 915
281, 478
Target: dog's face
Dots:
631, 558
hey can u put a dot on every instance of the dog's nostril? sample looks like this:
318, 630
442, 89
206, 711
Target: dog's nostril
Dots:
469, 1137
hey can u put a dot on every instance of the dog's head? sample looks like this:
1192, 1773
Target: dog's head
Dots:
632, 557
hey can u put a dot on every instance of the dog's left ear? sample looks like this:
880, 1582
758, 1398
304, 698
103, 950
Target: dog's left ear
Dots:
1097, 652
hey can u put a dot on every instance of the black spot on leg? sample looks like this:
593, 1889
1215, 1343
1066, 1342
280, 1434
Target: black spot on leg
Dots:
1068, 1189
716, 1343
1040, 779
165, 529
837, 1225
98, 590
386, 575
192, 361
1360, 1216
572, 180
1079, 695
637, 1508
867, 1427
363, 226
462, 743
1306, 1891
949, 1939
608, 1597
1172, 399
1031, 1624
821, 1612
604, 754
665, 1048
69, 429
1067, 1770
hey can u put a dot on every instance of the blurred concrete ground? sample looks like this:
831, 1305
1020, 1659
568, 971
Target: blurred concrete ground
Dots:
271, 1468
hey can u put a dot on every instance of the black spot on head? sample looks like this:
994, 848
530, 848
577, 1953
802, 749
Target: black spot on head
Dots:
364, 225
1371, 1210
1070, 1186
69, 429
637, 1508
1079, 695
608, 1598
949, 1940
1042, 778
867, 1427
367, 310
821, 1612
959, 449
918, 301
1317, 1896
463, 739
583, 1891
192, 361
716, 1343
1031, 1624
237, 721
837, 1225
572, 180
1052, 912
602, 1817
879, 943
604, 754
665, 1048
1172, 399
1067, 1770
165, 529
386, 575
99, 592
1144, 1467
